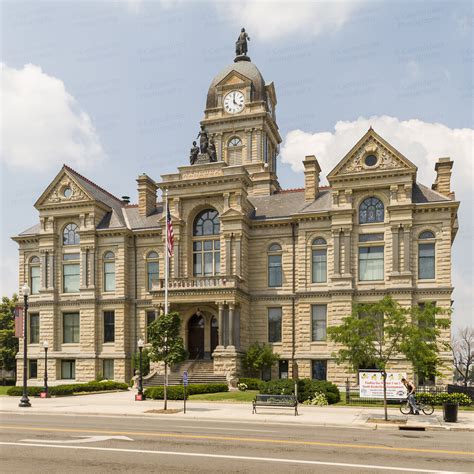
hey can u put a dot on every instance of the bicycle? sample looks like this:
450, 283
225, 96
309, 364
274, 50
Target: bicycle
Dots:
426, 408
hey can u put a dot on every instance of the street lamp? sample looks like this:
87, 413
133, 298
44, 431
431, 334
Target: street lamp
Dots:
25, 401
45, 346
140, 396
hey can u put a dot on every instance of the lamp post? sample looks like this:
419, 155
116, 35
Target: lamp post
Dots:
140, 396
45, 346
25, 401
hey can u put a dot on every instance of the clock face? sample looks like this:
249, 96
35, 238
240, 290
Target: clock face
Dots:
234, 102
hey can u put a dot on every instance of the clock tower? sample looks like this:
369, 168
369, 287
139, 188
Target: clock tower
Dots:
240, 117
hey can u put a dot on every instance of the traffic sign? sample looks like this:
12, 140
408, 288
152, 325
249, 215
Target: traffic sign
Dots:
185, 378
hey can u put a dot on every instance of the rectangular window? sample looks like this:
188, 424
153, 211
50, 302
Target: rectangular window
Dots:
426, 261
33, 369
319, 257
153, 274
377, 322
371, 263
108, 369
150, 317
370, 237
320, 369
274, 270
35, 279
109, 326
70, 328
68, 369
109, 276
283, 369
71, 273
34, 328
319, 322
274, 324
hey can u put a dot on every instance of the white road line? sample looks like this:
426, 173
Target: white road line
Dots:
228, 456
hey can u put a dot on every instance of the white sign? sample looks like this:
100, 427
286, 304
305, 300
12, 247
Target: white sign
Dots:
371, 385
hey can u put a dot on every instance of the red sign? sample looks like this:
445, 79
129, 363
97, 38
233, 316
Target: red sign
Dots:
43, 395
138, 397
19, 321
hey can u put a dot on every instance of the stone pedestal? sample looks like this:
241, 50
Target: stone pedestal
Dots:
228, 362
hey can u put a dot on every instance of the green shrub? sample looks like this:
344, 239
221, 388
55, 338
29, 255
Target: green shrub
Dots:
176, 392
306, 389
70, 388
252, 384
440, 398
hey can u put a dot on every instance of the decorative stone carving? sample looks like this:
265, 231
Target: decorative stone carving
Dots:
66, 190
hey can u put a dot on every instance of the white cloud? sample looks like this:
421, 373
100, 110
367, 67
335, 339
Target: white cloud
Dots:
268, 20
42, 125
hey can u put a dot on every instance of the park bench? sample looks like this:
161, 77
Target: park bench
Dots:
280, 401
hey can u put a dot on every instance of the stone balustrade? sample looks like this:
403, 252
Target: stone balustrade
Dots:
212, 282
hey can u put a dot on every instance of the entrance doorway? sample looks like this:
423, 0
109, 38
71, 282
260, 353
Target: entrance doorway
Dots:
214, 334
196, 337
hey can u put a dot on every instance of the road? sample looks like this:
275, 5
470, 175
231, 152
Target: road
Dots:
86, 444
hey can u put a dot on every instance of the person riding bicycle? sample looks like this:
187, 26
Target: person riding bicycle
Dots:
411, 388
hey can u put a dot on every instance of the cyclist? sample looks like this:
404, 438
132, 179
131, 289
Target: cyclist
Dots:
410, 386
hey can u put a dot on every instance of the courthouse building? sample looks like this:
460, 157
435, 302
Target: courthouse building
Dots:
252, 262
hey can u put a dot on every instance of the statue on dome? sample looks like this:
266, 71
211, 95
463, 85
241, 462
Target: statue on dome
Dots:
212, 151
203, 140
241, 43
193, 154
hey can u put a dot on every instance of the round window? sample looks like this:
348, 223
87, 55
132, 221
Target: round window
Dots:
370, 160
67, 192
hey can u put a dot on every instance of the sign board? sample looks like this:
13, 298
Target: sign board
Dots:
371, 385
138, 397
19, 321
185, 378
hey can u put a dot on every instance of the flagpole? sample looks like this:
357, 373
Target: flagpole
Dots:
166, 252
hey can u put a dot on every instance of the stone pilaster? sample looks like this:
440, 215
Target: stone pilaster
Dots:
231, 324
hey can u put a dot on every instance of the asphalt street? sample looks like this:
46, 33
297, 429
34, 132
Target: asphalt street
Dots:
61, 443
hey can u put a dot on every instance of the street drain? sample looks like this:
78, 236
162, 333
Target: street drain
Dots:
412, 428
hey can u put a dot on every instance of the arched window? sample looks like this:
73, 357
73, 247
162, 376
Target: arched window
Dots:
206, 244
152, 270
234, 150
275, 277
109, 271
34, 275
426, 256
319, 260
71, 235
371, 210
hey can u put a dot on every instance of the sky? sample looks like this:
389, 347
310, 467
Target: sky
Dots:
116, 89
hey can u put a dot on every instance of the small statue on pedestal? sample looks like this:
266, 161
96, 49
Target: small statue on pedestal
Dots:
212, 151
241, 43
203, 140
193, 154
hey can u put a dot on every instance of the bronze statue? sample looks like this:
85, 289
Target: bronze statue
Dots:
203, 141
193, 154
241, 43
212, 151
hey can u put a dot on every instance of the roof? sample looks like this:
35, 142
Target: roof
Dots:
245, 68
422, 194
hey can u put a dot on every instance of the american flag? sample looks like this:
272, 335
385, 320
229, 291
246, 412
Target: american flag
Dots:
170, 232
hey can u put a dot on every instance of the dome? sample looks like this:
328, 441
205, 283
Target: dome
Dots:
245, 68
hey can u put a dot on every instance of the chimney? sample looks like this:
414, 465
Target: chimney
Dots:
311, 178
443, 177
146, 195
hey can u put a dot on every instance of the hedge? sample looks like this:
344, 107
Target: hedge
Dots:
176, 392
252, 384
70, 388
306, 389
440, 398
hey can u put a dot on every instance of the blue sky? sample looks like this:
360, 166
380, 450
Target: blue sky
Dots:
115, 89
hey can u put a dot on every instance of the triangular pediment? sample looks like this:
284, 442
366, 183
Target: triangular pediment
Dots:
387, 158
233, 78
64, 189
231, 213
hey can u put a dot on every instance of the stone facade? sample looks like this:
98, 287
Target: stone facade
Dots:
259, 265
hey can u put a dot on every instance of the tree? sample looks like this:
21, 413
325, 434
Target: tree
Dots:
376, 333
258, 358
462, 345
166, 343
145, 361
8, 341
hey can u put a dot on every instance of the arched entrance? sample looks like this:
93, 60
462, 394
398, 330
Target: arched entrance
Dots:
196, 337
214, 334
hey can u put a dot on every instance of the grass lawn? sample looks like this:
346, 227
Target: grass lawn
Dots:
3, 389
237, 397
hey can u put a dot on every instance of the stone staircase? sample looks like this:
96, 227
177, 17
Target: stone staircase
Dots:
199, 371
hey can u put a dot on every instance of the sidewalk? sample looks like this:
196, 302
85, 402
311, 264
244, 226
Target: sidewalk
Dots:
123, 404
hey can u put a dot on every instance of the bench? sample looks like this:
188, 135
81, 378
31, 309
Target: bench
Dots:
280, 401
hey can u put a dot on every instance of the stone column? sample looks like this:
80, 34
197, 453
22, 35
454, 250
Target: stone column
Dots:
92, 279
231, 324
395, 251
84, 255
51, 270
337, 254
249, 145
220, 317
406, 248
347, 252
238, 247
44, 270
228, 255
259, 146
176, 258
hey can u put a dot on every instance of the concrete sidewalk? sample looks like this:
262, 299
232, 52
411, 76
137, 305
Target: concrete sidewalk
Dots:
123, 404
